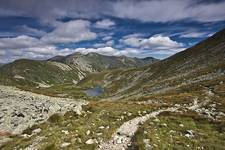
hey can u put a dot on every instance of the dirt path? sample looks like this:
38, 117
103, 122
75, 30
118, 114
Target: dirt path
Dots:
123, 136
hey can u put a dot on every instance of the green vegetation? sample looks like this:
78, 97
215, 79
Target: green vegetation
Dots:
31, 73
174, 131
100, 118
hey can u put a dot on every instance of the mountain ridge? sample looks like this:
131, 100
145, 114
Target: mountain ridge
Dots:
101, 62
63, 69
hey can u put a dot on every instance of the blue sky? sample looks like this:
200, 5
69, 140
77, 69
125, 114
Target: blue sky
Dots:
136, 28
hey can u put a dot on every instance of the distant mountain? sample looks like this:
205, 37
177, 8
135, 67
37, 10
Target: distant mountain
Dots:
63, 69
200, 63
57, 58
94, 62
33, 72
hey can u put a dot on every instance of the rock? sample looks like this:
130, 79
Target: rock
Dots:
144, 112
26, 135
189, 133
65, 132
164, 125
54, 108
177, 105
88, 132
98, 134
210, 93
119, 140
20, 115
78, 109
101, 127
79, 140
181, 125
65, 144
129, 114
156, 120
139, 113
36, 131
147, 145
90, 141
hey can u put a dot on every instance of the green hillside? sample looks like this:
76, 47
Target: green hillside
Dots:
35, 73
202, 62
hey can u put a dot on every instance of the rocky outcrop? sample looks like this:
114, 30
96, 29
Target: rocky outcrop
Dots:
20, 109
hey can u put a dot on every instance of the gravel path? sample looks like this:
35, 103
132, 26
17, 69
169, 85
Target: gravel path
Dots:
121, 140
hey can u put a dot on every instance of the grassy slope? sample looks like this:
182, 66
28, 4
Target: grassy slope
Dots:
169, 132
205, 58
34, 71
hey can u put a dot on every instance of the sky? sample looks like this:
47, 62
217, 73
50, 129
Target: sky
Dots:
41, 29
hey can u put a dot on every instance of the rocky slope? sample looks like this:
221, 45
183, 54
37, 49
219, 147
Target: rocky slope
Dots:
20, 110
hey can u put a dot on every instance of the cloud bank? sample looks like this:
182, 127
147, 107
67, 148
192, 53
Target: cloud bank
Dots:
143, 10
98, 22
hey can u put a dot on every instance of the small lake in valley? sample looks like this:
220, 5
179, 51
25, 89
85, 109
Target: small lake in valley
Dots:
96, 91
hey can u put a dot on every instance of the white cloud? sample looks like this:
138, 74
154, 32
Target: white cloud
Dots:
104, 24
19, 42
30, 31
28, 47
97, 45
159, 46
135, 35
106, 38
133, 41
73, 31
110, 43
42, 52
168, 11
110, 51
195, 35
2, 53
156, 42
144, 10
34, 48
103, 50
159, 42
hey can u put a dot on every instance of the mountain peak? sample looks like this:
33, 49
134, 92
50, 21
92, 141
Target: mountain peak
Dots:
93, 61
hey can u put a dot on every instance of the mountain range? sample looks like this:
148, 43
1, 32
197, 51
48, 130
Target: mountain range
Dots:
65, 69
122, 76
